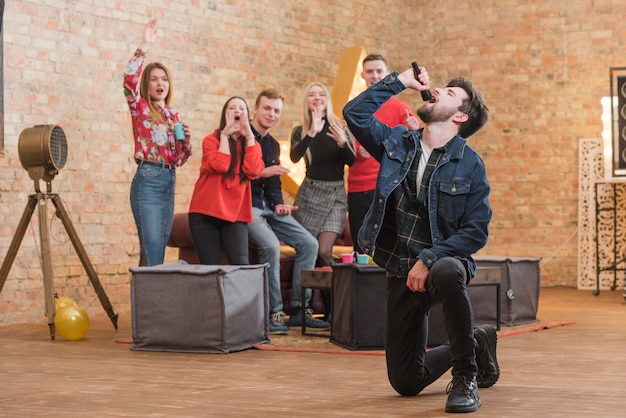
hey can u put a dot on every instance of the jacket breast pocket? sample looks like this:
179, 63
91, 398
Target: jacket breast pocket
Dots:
393, 160
452, 198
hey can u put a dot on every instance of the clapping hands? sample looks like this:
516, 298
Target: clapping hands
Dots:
338, 133
317, 121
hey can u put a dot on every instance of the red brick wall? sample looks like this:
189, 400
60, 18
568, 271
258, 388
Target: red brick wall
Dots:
543, 68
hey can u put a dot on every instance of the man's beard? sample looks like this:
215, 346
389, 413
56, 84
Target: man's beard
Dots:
434, 114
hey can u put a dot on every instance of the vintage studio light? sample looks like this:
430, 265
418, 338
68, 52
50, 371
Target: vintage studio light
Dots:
43, 152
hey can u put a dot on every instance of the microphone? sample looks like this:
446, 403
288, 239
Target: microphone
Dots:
426, 95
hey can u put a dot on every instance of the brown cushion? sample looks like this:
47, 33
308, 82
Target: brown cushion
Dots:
180, 235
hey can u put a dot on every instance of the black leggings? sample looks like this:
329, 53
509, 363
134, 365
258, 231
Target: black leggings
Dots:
210, 234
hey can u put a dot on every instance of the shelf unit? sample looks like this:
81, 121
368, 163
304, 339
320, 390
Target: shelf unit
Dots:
610, 237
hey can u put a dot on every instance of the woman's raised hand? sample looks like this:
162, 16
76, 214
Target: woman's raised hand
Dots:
317, 123
149, 35
150, 31
238, 124
233, 122
246, 130
338, 134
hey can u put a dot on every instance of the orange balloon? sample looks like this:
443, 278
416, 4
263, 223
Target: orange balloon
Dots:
72, 322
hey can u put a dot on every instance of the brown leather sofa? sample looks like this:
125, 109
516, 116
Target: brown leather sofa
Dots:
181, 238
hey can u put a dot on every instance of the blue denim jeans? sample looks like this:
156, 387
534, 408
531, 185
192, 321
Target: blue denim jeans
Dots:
152, 203
267, 230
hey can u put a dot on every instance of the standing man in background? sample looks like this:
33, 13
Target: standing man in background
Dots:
362, 174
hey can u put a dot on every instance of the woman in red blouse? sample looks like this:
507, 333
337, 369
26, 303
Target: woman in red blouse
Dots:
157, 152
221, 205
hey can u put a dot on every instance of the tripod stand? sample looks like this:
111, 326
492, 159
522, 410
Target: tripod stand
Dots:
41, 199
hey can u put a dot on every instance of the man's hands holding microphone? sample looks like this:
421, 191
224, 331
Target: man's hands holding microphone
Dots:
421, 83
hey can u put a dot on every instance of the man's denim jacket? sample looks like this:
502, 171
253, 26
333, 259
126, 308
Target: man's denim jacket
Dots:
458, 193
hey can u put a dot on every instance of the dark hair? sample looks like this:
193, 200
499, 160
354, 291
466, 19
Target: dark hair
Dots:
233, 143
374, 57
270, 94
474, 107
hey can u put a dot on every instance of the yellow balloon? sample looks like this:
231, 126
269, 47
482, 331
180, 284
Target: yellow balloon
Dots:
62, 301
72, 322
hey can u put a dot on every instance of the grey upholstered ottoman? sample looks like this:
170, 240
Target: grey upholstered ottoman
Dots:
521, 281
359, 306
198, 308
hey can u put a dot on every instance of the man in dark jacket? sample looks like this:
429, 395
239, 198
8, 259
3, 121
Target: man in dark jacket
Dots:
430, 213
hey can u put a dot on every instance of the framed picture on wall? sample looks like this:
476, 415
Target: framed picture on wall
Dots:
618, 120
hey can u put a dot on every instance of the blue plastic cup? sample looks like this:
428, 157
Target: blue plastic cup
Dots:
179, 131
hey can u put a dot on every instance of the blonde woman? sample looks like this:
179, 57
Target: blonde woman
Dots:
324, 143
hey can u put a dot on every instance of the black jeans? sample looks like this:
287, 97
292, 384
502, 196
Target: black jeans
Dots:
358, 204
210, 234
409, 366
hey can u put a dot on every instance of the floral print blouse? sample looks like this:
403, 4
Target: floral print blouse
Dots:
154, 141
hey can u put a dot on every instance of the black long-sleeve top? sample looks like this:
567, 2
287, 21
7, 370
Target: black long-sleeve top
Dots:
267, 188
324, 160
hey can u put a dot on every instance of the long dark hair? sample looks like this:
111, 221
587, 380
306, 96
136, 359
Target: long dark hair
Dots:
236, 147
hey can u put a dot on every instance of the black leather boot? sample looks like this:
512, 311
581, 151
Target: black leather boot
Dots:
462, 395
486, 361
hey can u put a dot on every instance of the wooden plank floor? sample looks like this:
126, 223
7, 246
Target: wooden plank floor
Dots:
572, 371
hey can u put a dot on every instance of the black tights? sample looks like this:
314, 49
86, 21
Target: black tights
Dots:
210, 234
326, 240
